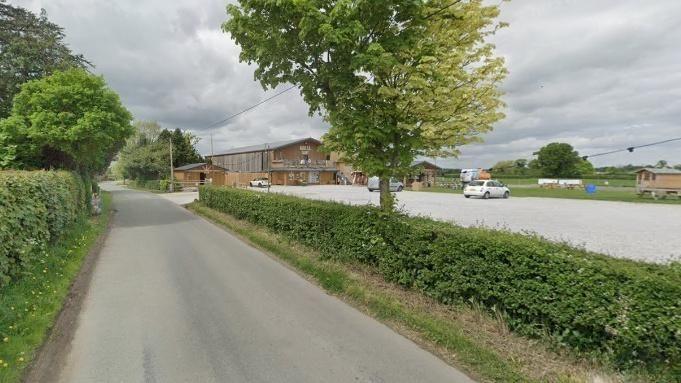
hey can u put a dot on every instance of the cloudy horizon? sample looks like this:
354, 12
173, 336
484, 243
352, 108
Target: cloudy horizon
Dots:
600, 75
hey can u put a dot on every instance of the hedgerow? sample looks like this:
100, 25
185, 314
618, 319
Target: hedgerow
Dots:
35, 209
626, 312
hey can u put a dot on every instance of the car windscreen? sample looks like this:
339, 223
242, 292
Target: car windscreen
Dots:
476, 183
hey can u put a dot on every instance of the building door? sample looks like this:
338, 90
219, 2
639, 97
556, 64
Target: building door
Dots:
314, 177
202, 178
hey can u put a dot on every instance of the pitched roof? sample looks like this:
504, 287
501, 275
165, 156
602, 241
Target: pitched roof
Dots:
425, 164
194, 166
270, 146
660, 171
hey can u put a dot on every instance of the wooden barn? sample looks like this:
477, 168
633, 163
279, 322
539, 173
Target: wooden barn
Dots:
423, 175
658, 182
292, 162
199, 174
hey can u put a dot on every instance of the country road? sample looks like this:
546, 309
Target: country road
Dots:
174, 298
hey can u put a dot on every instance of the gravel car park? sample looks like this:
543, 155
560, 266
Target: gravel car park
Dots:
618, 229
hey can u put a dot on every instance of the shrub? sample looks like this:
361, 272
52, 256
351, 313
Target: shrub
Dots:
627, 312
35, 208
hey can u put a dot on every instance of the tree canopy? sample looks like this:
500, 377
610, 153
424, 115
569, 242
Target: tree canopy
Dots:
146, 155
31, 47
561, 160
68, 120
395, 79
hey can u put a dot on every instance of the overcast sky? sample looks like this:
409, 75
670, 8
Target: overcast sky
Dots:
598, 74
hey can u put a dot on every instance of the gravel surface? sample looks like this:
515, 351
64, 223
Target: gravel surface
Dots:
645, 232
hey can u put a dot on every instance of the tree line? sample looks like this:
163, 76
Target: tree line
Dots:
146, 154
561, 160
54, 113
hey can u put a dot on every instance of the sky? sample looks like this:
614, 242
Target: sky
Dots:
598, 74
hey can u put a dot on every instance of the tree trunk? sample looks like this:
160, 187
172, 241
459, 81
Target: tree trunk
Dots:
387, 199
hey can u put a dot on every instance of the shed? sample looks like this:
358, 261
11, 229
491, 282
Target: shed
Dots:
658, 182
424, 174
199, 174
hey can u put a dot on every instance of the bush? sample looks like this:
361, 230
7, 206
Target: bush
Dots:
35, 209
625, 311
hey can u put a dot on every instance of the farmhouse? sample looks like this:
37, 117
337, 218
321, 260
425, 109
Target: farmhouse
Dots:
199, 174
658, 182
292, 162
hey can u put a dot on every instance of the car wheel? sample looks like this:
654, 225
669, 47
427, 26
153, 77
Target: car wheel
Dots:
399, 188
485, 196
506, 195
467, 196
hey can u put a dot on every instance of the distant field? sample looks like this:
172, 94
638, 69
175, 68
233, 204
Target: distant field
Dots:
603, 194
533, 181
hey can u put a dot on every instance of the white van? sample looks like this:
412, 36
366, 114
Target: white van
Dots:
395, 185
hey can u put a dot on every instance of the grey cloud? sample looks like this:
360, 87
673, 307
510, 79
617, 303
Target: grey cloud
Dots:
600, 75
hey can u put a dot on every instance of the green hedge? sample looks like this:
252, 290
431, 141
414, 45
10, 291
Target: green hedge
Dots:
625, 311
159, 185
35, 208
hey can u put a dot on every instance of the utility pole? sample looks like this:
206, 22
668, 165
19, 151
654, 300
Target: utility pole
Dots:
172, 171
269, 169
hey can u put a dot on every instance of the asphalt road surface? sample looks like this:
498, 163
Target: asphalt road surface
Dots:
176, 299
640, 231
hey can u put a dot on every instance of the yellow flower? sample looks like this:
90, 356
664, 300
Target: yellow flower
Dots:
5, 339
21, 359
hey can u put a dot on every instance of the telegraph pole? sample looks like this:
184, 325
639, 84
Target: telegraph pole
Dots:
269, 169
172, 171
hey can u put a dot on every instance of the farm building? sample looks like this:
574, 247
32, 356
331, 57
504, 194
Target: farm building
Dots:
658, 182
423, 175
199, 174
292, 162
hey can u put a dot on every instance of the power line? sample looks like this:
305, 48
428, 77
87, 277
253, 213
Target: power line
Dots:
249, 108
631, 148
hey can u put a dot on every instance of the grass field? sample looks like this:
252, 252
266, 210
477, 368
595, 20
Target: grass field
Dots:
611, 193
28, 307
597, 182
533, 181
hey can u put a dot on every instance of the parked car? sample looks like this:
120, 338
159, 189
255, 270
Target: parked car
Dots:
395, 185
486, 189
261, 182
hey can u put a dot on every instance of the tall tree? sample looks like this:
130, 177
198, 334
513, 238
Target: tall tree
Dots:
561, 160
661, 164
68, 120
146, 155
395, 78
31, 47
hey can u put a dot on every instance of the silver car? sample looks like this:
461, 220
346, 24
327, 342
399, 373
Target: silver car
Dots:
395, 185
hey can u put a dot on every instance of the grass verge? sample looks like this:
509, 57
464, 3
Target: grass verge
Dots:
465, 337
29, 307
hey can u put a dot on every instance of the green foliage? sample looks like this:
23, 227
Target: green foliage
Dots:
36, 208
561, 160
8, 152
517, 168
395, 79
146, 155
69, 120
591, 303
31, 47
30, 305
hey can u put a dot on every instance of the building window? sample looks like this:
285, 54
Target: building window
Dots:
646, 176
653, 176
